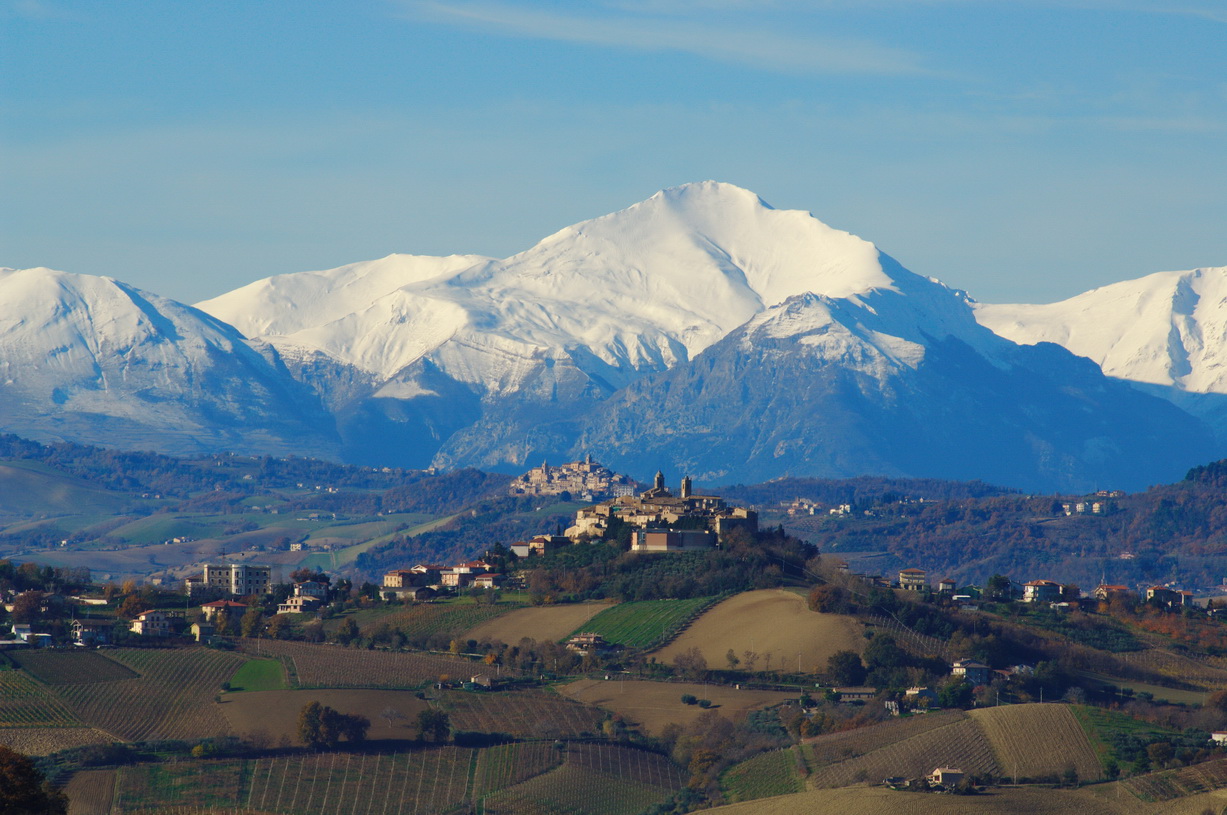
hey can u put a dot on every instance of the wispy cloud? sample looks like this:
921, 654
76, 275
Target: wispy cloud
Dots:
731, 41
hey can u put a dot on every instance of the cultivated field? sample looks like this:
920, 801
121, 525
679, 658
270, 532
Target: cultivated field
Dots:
646, 623
655, 704
181, 784
835, 747
863, 800
275, 713
172, 698
596, 779
331, 666
1169, 784
90, 792
71, 667
775, 624
510, 764
763, 776
450, 619
24, 703
525, 714
43, 741
960, 744
541, 623
1016, 730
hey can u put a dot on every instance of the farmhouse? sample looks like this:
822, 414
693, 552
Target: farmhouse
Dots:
1169, 597
402, 579
946, 585
84, 633
540, 545
211, 610
152, 624
1041, 591
1219, 737
311, 588
977, 673
658, 508
1105, 591
946, 776
587, 643
201, 632
913, 580
298, 605
856, 694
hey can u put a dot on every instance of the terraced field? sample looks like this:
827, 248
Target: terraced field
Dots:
171, 698
525, 714
646, 623
330, 666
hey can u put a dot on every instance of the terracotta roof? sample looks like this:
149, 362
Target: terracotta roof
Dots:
912, 571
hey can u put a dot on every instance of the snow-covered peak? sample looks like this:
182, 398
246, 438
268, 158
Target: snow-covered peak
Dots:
633, 291
288, 303
1168, 328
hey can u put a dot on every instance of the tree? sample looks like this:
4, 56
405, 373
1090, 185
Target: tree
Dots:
691, 663
732, 660
311, 724
998, 588
23, 788
845, 668
250, 624
391, 714
433, 724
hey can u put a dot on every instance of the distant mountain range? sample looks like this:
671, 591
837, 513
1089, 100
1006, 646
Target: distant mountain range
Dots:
699, 331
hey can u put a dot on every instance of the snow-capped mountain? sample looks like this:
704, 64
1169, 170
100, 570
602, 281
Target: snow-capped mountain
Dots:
1165, 332
840, 386
93, 360
700, 329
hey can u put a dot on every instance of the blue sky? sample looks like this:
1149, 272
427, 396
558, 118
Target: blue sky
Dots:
1020, 149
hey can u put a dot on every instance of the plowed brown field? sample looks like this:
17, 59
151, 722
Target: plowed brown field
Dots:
542, 623
1035, 740
773, 623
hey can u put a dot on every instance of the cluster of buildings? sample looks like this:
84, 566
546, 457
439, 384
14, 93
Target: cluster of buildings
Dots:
425, 581
585, 480
662, 521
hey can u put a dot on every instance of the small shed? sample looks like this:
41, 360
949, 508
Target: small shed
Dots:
946, 776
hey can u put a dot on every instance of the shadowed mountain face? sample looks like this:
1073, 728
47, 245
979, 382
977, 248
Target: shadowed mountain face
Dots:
700, 328
764, 402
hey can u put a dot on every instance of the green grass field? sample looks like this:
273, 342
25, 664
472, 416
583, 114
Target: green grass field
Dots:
1101, 725
764, 775
451, 617
646, 623
259, 674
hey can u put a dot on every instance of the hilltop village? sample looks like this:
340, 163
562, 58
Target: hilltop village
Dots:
654, 621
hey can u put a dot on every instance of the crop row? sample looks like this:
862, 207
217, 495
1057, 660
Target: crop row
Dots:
171, 699
450, 619
597, 779
1163, 786
71, 667
962, 744
406, 784
834, 747
646, 623
189, 783
510, 764
764, 775
529, 714
329, 666
23, 703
